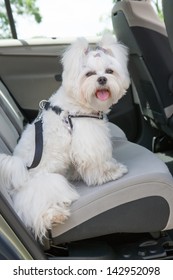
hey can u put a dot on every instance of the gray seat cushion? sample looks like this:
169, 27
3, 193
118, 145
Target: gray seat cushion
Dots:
116, 131
140, 201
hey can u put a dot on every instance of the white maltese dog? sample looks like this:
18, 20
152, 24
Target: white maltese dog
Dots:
70, 139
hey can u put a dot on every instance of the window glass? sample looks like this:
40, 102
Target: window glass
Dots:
61, 18
4, 24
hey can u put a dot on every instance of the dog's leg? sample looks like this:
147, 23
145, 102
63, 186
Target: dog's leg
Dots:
91, 153
99, 171
73, 175
103, 172
44, 201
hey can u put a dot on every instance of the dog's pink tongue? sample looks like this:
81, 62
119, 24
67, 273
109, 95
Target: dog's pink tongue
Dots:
102, 94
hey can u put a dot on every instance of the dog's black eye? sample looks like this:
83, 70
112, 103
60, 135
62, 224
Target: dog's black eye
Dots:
109, 71
90, 73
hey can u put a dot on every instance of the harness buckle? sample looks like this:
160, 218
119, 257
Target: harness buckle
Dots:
42, 105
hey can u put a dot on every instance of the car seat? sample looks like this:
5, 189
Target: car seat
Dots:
140, 201
137, 25
167, 14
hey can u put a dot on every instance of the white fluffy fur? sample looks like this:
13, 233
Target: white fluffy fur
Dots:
42, 195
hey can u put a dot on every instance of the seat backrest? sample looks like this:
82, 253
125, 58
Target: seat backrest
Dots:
11, 121
137, 25
167, 13
11, 126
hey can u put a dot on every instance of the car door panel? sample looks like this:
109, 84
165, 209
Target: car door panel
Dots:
29, 72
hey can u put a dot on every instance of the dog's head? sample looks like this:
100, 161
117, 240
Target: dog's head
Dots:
96, 79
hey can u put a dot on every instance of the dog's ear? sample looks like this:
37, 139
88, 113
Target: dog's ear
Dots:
74, 57
112, 47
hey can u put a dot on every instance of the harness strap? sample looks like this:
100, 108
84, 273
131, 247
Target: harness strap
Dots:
56, 109
38, 144
39, 128
98, 116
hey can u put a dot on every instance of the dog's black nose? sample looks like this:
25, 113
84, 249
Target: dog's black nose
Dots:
102, 80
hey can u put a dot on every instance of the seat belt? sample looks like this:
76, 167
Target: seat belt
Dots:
38, 144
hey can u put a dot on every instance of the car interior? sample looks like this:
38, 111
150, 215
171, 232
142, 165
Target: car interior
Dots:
132, 217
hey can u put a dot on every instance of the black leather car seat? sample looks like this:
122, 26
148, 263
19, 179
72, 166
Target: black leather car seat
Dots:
167, 13
137, 25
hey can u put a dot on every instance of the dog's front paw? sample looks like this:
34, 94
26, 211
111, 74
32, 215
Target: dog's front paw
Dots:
112, 171
73, 175
109, 171
117, 171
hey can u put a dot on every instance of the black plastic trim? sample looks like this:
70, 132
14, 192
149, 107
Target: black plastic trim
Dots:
148, 214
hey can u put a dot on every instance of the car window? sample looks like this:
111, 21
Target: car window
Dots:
57, 18
60, 19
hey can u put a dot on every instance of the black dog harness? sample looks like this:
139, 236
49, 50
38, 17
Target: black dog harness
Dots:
45, 105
